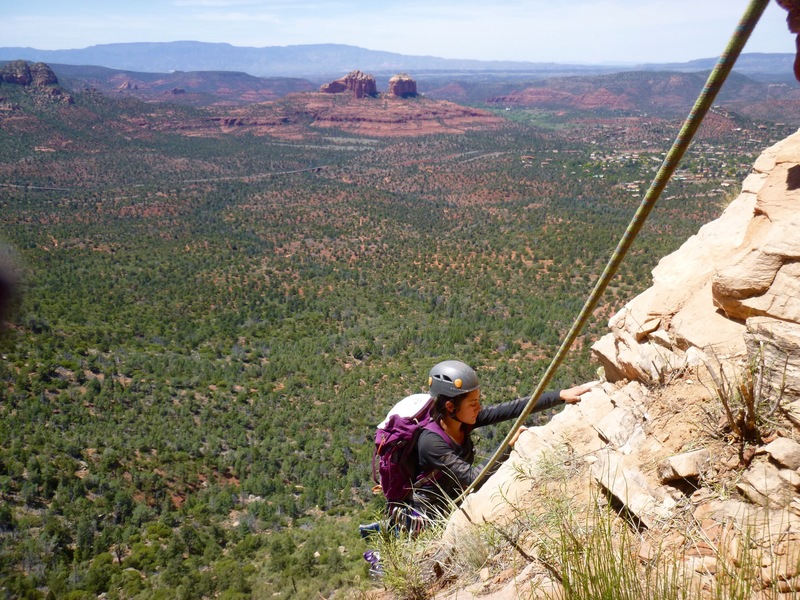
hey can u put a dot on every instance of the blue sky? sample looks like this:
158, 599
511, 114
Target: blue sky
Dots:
582, 31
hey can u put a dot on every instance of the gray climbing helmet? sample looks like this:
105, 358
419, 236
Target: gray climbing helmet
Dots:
452, 378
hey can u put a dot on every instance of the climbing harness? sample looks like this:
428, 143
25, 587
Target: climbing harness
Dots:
690, 126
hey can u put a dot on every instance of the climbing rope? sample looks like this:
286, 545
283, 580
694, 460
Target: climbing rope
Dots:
690, 126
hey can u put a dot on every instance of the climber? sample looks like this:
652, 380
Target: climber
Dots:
446, 464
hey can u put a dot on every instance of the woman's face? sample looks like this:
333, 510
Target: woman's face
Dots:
469, 408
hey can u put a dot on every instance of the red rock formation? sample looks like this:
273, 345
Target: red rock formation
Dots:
19, 72
402, 86
37, 76
361, 84
42, 75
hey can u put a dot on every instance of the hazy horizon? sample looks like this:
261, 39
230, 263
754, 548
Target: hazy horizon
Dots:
589, 32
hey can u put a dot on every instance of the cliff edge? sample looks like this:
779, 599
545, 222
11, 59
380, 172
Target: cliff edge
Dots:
690, 448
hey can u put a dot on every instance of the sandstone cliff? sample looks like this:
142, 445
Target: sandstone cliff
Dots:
713, 484
729, 295
359, 84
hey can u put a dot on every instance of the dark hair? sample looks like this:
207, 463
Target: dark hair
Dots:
439, 409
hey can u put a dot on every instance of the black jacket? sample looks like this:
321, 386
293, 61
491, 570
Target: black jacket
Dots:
447, 467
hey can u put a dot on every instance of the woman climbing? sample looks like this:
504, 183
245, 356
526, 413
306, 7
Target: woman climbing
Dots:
445, 449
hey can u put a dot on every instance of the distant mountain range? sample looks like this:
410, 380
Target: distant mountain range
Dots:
319, 62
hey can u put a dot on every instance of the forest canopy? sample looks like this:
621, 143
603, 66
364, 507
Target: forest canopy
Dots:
210, 328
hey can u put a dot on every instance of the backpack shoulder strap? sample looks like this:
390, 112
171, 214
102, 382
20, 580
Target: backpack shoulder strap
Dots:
426, 477
435, 427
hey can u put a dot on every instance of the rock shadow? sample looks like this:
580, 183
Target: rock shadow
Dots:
793, 178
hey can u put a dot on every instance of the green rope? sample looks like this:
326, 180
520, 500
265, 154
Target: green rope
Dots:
680, 145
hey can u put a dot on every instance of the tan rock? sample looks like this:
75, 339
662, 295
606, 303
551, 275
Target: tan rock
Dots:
510, 485
749, 274
606, 352
781, 300
626, 440
762, 484
744, 264
698, 324
632, 488
618, 427
789, 586
785, 452
648, 327
791, 477
792, 410
661, 338
689, 465
772, 348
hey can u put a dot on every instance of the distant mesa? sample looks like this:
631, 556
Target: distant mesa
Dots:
360, 84
402, 86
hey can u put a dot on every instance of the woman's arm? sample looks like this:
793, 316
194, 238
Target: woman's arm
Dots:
513, 409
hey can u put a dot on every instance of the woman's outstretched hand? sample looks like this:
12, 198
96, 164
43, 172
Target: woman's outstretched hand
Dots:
573, 395
516, 435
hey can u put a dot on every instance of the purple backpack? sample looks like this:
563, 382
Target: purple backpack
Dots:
396, 445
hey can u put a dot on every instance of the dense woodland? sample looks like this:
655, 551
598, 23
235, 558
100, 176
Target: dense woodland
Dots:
210, 328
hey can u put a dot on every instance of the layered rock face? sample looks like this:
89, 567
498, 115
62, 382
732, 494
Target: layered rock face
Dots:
360, 84
402, 86
730, 295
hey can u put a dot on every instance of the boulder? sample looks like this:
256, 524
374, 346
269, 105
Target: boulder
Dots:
763, 485
632, 489
689, 465
785, 452
620, 427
